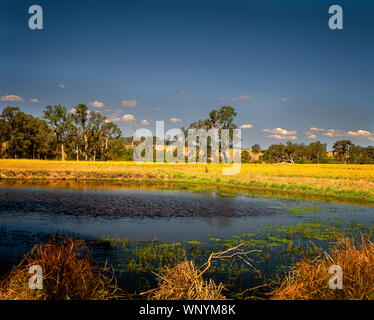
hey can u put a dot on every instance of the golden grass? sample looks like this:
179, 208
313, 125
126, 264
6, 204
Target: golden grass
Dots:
309, 279
68, 273
336, 180
185, 280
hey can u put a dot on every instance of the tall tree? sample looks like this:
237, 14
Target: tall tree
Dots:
342, 149
256, 148
316, 152
223, 118
112, 146
80, 118
58, 121
26, 136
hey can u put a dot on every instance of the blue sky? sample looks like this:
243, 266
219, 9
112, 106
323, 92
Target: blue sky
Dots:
276, 62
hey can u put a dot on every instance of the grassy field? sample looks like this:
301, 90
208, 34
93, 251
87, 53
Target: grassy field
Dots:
355, 182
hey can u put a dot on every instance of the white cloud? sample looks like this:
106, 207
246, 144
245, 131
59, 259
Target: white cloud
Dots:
335, 133
285, 99
282, 137
242, 97
311, 136
246, 126
97, 104
113, 118
281, 134
317, 129
34, 100
72, 110
359, 134
11, 97
280, 131
129, 103
113, 110
146, 122
175, 120
128, 117
61, 85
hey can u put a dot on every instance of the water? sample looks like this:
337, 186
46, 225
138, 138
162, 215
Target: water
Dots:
30, 214
134, 214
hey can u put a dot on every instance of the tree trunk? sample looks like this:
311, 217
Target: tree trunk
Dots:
77, 154
85, 147
62, 152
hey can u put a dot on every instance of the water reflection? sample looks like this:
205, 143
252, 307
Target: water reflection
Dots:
148, 213
212, 190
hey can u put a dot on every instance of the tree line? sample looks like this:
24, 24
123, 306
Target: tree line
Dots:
88, 136
81, 135
343, 151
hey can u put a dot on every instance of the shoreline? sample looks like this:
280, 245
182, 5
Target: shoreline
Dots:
323, 183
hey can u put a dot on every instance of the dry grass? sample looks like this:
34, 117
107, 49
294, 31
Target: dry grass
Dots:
185, 281
309, 279
68, 273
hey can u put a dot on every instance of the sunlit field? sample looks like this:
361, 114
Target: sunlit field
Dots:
335, 180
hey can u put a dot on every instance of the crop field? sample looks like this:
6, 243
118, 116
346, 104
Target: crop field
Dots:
349, 182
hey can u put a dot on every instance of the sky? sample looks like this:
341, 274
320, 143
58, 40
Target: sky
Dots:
286, 73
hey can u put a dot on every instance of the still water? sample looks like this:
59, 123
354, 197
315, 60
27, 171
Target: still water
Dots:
142, 214
31, 213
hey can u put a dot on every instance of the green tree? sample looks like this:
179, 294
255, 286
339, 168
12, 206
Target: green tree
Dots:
316, 152
95, 135
113, 144
256, 148
246, 157
26, 136
80, 118
342, 149
58, 121
222, 118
